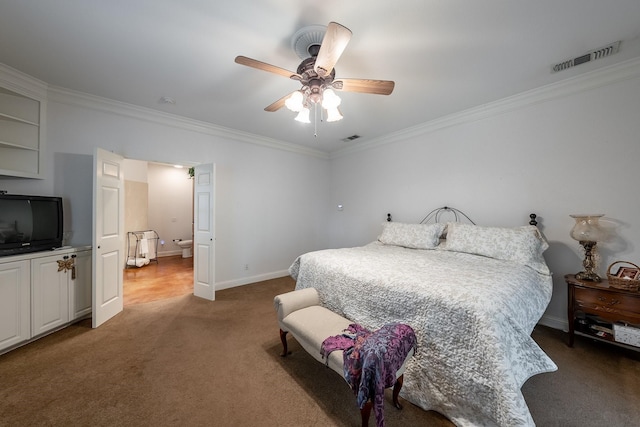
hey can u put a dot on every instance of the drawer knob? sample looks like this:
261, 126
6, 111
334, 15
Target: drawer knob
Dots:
612, 302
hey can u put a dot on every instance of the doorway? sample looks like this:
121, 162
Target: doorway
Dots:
158, 197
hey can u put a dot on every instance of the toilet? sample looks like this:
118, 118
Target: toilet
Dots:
186, 248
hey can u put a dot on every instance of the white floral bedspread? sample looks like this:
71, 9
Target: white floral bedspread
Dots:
473, 317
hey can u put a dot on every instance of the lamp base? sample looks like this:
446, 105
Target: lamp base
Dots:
589, 276
588, 264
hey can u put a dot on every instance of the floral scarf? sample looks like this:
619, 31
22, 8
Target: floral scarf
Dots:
372, 359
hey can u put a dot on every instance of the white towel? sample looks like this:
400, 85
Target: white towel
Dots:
138, 262
144, 247
152, 240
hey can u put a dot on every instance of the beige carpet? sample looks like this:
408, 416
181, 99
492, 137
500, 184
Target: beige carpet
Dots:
187, 361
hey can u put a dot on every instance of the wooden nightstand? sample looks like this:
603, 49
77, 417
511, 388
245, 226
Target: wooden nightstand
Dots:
595, 306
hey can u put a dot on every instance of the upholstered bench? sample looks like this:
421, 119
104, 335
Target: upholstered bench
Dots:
300, 313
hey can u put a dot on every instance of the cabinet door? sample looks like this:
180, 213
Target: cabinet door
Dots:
80, 287
15, 294
50, 294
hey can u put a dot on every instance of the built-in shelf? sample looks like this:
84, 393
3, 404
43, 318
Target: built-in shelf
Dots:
21, 147
4, 116
21, 128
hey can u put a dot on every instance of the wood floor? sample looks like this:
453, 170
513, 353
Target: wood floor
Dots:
169, 277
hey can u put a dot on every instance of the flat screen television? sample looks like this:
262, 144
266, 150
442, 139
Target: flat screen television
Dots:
29, 223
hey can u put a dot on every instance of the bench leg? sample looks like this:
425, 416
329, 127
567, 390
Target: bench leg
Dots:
283, 338
365, 412
396, 391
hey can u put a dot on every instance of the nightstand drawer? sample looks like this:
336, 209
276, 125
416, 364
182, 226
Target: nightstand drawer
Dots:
608, 302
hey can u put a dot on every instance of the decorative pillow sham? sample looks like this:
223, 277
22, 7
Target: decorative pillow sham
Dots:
523, 245
413, 236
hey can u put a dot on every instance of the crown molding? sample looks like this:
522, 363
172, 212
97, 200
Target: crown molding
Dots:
84, 100
19, 82
625, 70
22, 83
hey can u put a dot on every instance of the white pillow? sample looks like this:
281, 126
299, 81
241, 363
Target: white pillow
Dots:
414, 236
523, 245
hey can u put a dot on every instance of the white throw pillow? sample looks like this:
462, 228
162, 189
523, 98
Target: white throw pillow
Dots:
414, 236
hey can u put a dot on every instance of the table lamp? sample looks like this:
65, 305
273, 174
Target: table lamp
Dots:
588, 232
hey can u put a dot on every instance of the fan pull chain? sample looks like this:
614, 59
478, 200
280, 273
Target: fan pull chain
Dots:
315, 120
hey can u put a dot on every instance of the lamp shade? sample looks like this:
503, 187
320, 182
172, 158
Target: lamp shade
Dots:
330, 100
333, 114
587, 228
303, 116
295, 101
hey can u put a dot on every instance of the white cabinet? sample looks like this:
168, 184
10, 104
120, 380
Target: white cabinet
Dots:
60, 290
42, 292
15, 301
80, 287
49, 294
22, 113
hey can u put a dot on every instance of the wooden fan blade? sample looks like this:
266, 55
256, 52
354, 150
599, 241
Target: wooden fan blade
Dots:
278, 104
254, 63
377, 87
334, 42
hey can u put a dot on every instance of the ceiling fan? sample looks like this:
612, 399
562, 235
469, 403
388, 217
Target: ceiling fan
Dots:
320, 51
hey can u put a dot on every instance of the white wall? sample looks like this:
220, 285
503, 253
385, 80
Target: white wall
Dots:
135, 170
271, 204
136, 202
170, 206
573, 150
568, 148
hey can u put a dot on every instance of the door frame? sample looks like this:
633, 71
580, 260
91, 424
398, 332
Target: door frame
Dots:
206, 273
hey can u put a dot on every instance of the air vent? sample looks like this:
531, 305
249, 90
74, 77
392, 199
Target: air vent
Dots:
350, 138
167, 100
587, 57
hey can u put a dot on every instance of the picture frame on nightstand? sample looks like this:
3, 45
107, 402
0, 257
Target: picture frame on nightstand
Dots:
629, 273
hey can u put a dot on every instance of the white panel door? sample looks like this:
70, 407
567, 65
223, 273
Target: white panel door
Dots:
204, 285
108, 236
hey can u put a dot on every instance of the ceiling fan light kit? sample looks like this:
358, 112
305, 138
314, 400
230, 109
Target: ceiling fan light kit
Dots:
303, 115
334, 115
320, 47
295, 102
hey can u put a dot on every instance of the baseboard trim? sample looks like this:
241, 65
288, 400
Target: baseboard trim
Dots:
169, 253
554, 322
251, 279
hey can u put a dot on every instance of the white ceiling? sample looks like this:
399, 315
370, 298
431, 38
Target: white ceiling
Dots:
445, 56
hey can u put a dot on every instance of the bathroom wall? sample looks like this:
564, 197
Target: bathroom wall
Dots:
170, 206
136, 202
136, 199
158, 197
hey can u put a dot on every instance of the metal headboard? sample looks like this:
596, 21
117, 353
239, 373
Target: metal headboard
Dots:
435, 214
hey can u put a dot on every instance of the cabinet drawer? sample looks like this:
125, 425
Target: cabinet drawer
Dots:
608, 302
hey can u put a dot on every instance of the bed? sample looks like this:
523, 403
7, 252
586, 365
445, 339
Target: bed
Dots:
473, 299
